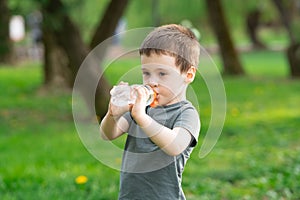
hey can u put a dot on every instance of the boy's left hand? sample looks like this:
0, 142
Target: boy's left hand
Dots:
138, 108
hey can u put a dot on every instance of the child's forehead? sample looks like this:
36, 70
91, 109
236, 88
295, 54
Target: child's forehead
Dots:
156, 67
158, 61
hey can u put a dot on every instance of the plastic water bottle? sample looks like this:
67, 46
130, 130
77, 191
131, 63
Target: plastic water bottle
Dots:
122, 95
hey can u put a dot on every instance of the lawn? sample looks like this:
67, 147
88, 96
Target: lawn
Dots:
256, 157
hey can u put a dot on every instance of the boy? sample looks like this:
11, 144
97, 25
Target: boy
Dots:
160, 139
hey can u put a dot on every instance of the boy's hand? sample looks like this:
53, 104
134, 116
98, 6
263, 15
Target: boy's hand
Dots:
117, 111
138, 108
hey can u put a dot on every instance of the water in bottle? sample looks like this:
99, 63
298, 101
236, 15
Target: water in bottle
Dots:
122, 95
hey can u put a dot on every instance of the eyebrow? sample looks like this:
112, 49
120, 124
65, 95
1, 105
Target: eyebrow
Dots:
157, 69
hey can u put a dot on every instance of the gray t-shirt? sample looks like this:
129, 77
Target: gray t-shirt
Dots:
148, 173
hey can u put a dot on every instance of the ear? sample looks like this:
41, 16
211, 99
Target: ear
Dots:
190, 74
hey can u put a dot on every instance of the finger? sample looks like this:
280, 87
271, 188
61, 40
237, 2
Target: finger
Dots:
140, 91
145, 90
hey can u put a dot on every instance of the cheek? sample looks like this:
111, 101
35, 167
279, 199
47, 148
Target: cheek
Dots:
167, 91
174, 83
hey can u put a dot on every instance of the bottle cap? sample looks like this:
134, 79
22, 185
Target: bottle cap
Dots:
153, 97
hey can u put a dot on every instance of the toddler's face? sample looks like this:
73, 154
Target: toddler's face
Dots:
164, 76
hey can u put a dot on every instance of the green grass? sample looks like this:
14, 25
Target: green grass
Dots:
266, 64
256, 157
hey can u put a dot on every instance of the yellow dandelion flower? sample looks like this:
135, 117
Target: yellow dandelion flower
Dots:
81, 179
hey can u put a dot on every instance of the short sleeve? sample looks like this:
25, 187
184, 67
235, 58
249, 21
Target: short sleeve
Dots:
189, 120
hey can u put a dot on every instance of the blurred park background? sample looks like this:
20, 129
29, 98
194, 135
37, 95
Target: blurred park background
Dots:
255, 44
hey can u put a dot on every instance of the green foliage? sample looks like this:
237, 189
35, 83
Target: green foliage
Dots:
87, 15
168, 11
22, 7
256, 157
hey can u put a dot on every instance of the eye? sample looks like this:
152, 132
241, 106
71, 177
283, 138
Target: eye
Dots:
146, 73
162, 73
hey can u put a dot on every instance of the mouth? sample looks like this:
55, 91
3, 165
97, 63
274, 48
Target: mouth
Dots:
156, 94
155, 90
155, 100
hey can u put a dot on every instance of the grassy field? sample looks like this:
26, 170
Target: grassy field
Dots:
256, 157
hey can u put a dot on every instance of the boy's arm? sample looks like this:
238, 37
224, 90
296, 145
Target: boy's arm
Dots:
171, 141
113, 124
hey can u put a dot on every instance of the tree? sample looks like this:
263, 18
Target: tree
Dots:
57, 73
285, 18
218, 22
61, 35
109, 22
66, 37
5, 42
252, 25
294, 47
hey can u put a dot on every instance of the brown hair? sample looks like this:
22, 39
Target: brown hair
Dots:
173, 40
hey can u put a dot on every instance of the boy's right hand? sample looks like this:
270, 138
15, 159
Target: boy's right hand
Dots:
118, 111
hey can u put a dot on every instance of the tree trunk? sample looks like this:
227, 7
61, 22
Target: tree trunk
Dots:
285, 19
109, 22
252, 24
105, 29
230, 57
5, 43
56, 74
293, 54
293, 51
69, 39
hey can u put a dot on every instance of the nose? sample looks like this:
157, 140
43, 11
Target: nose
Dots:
153, 82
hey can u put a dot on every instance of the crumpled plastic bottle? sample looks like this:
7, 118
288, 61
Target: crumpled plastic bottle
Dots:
122, 95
